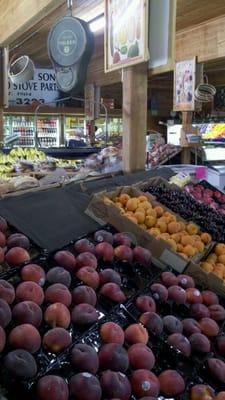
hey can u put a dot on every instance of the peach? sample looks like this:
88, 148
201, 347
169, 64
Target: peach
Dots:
58, 293
185, 281
114, 357
84, 245
84, 315
18, 240
153, 322
111, 332
168, 279
84, 358
209, 298
124, 253
177, 294
206, 237
17, 256
136, 333
193, 296
209, 327
85, 386
56, 340
34, 273
142, 256
30, 291
21, 364
171, 383
2, 339
27, 312
2, 255
159, 292
7, 291
144, 383
59, 275
84, 294
145, 303
89, 276
103, 236
25, 337
191, 326
141, 357
202, 392
115, 385
172, 324
65, 259
220, 342
105, 251
52, 387
109, 275
181, 343
200, 343
122, 239
220, 396
3, 225
2, 240
57, 315
217, 312
86, 260
199, 311
113, 292
217, 369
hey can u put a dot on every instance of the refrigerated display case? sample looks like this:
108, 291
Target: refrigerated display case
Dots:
48, 131
115, 128
74, 125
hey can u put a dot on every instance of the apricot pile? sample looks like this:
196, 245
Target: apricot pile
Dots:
215, 262
183, 238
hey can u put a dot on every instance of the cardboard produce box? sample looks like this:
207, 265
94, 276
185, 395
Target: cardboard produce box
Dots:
102, 209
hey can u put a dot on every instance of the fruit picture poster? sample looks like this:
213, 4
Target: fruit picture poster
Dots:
126, 33
184, 85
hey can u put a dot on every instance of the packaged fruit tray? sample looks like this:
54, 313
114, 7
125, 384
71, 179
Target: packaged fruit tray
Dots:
205, 193
117, 357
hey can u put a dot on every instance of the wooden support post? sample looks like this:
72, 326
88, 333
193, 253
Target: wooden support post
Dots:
186, 151
135, 85
1, 127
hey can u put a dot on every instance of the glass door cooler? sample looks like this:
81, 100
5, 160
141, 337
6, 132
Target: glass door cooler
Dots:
19, 131
48, 131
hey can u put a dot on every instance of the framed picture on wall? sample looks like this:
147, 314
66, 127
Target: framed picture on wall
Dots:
126, 33
184, 85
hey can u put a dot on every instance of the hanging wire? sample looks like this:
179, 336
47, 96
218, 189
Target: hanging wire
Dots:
70, 6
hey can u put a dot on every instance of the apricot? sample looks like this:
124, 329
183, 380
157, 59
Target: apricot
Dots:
34, 273
111, 332
171, 383
173, 227
199, 311
219, 249
123, 198
202, 392
86, 260
172, 324
159, 292
84, 315
177, 294
132, 218
169, 217
115, 385
105, 251
122, 239
57, 315
208, 267
142, 256
192, 229
162, 226
65, 259
30, 291
56, 340
132, 204
180, 248
3, 225
187, 240
109, 275
193, 296
2, 339
209, 327
191, 326
154, 232
119, 205
85, 386
124, 253
84, 245
113, 292
142, 198
150, 221
84, 294
217, 312
168, 279
7, 291
144, 383
136, 333
221, 259
200, 343
146, 205
140, 217
220, 342
145, 303
140, 209
58, 293
89, 276
84, 358
212, 258
206, 238
21, 364
25, 337
159, 211
27, 312
151, 212
59, 275
17, 256
189, 250
52, 387
181, 343
176, 236
172, 244
163, 236
153, 322
217, 369
141, 357
199, 246
114, 357
18, 240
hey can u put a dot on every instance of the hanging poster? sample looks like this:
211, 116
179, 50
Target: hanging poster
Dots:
126, 33
184, 85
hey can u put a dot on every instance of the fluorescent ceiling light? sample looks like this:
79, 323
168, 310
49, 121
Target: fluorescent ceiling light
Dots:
97, 24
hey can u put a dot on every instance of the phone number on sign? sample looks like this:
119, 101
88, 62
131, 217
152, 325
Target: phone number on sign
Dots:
27, 101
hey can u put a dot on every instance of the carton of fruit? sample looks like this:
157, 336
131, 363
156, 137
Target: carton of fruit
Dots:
154, 226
